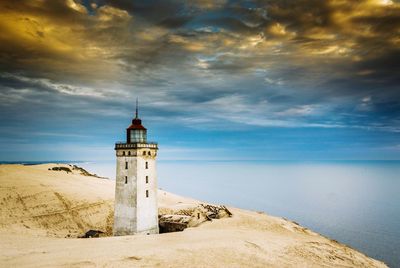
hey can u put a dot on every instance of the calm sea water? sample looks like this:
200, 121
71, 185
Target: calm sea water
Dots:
356, 203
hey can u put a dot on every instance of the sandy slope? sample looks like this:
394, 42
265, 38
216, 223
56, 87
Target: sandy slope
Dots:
38, 208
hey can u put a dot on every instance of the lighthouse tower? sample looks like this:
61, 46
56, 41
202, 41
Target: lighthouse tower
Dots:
136, 209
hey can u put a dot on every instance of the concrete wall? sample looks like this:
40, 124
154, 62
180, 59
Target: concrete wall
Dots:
134, 212
147, 207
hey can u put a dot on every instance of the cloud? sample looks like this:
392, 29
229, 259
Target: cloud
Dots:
298, 111
306, 62
48, 85
59, 41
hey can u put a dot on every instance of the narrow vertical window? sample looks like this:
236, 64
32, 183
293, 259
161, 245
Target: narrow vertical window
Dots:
147, 165
126, 165
147, 179
123, 153
126, 179
148, 153
147, 193
144, 152
129, 153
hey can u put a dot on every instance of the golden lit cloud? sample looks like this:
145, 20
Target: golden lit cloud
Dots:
143, 44
76, 47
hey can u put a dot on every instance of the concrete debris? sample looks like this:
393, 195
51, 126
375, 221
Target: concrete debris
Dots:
92, 234
191, 217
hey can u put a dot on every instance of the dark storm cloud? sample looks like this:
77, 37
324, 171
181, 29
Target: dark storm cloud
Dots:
70, 70
280, 61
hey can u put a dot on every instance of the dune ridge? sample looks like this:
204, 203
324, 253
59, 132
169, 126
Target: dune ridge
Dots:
43, 211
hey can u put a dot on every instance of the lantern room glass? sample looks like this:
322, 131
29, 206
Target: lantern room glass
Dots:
137, 135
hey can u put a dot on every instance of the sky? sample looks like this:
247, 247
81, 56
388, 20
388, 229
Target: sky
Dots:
216, 80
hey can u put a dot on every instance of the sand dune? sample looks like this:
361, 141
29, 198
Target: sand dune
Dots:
43, 211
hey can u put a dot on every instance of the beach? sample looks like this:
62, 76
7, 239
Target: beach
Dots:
44, 211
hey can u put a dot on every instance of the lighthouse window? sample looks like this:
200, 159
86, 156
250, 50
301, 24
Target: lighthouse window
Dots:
149, 153
147, 165
126, 179
147, 193
147, 179
126, 165
123, 153
129, 153
138, 135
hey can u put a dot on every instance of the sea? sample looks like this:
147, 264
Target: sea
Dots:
354, 202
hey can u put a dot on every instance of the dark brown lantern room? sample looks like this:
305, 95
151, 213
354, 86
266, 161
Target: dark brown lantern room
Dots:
136, 133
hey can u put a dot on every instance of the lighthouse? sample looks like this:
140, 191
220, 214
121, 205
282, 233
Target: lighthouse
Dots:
136, 208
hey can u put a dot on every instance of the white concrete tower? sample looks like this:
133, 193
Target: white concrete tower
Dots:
136, 208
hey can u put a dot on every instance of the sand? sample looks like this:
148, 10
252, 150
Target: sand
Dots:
43, 211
